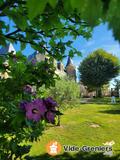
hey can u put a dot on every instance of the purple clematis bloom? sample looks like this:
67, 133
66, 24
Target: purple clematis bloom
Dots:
15, 59
50, 116
23, 105
28, 89
34, 93
35, 110
50, 103
34, 61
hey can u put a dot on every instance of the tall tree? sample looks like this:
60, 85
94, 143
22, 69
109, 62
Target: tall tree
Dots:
45, 24
117, 86
98, 69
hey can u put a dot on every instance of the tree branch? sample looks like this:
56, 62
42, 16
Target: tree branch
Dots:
40, 32
8, 3
16, 31
78, 22
73, 30
28, 42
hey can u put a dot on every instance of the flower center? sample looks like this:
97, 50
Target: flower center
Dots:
34, 111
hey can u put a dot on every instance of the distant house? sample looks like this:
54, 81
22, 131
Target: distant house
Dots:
85, 93
68, 70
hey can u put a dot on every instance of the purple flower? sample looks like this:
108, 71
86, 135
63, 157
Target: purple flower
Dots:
35, 110
50, 116
28, 89
34, 61
34, 93
50, 103
23, 105
39, 109
15, 59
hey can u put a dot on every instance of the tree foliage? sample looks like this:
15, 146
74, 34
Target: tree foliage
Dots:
117, 87
98, 69
18, 77
45, 24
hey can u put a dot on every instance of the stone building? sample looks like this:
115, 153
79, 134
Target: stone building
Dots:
69, 70
85, 93
60, 70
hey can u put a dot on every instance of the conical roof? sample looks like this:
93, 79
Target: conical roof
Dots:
69, 61
9, 48
31, 56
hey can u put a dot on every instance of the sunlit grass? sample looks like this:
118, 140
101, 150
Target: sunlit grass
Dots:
76, 127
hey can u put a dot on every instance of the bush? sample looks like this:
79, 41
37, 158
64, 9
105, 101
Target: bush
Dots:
64, 90
23, 114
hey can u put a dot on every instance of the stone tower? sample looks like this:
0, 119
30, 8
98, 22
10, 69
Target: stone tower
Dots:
70, 69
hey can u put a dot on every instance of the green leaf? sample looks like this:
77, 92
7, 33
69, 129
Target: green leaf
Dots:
17, 120
7, 28
23, 45
79, 53
53, 3
52, 42
71, 53
35, 7
67, 6
2, 41
13, 146
58, 113
78, 4
20, 20
92, 11
87, 9
69, 43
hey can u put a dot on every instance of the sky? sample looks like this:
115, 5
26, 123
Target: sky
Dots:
102, 37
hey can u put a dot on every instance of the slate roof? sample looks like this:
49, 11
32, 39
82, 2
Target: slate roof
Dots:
9, 48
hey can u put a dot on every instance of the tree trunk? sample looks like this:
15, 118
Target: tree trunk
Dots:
58, 124
98, 92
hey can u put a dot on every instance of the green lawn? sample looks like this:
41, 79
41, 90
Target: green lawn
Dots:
76, 128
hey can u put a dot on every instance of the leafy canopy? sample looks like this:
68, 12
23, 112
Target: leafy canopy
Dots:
98, 68
45, 24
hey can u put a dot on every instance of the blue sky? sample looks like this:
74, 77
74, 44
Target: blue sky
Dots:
101, 38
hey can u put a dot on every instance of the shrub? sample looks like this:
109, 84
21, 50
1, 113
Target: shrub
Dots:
23, 114
64, 90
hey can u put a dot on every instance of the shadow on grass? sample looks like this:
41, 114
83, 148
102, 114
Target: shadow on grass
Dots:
99, 101
114, 109
117, 111
78, 156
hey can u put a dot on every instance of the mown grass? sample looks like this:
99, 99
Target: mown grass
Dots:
76, 128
